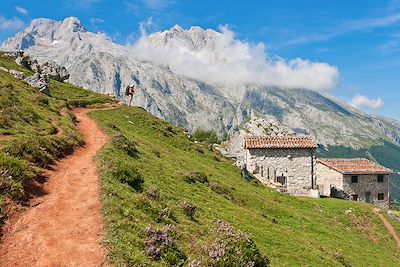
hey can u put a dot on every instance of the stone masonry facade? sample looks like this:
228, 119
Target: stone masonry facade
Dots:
368, 183
295, 165
366, 189
326, 178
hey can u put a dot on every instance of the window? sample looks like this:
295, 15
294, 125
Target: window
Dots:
369, 198
354, 179
355, 197
381, 196
281, 179
380, 178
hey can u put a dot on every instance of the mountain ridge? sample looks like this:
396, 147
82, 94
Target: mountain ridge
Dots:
97, 63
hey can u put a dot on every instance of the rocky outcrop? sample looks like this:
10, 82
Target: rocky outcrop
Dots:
54, 71
49, 68
39, 81
17, 74
42, 73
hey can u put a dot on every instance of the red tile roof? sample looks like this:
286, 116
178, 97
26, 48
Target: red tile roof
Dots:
280, 142
354, 166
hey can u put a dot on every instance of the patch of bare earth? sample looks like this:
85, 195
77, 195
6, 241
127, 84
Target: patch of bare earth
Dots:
65, 226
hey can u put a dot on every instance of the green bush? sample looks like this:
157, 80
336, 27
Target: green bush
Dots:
194, 177
122, 143
188, 209
130, 177
209, 137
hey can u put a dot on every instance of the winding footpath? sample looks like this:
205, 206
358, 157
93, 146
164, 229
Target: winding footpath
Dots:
66, 227
388, 226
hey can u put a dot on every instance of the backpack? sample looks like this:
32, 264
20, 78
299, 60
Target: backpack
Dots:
127, 90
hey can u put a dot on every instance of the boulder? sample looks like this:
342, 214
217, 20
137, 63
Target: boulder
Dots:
12, 55
23, 60
54, 71
34, 66
17, 74
39, 81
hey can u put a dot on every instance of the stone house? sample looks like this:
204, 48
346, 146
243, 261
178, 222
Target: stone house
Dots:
285, 161
357, 179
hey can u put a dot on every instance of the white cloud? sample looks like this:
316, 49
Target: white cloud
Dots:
360, 102
21, 10
94, 21
226, 60
144, 25
11, 24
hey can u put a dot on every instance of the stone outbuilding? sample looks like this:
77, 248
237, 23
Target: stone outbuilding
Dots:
285, 161
358, 179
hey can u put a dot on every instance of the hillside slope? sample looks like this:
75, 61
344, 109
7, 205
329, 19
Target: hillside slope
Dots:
35, 130
165, 198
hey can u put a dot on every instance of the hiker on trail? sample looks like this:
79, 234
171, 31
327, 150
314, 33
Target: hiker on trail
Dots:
130, 90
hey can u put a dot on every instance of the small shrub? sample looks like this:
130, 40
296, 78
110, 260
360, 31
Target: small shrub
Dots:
170, 129
194, 177
200, 150
157, 153
165, 214
229, 247
113, 126
153, 193
121, 142
130, 177
161, 244
339, 257
209, 137
188, 209
219, 188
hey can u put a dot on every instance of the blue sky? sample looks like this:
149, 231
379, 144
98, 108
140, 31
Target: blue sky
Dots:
360, 38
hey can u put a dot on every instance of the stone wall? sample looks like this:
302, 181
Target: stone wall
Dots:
294, 164
368, 183
326, 178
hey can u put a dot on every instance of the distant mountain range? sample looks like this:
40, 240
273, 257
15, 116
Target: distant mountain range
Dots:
95, 62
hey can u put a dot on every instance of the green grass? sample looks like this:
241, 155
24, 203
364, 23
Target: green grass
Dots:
35, 130
289, 231
76, 96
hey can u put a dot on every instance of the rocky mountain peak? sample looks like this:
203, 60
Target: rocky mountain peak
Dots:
194, 38
43, 31
72, 24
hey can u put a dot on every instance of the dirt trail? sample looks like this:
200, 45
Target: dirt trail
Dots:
66, 228
388, 226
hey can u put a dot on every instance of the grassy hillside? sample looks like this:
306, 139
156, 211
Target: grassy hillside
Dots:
170, 201
35, 130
